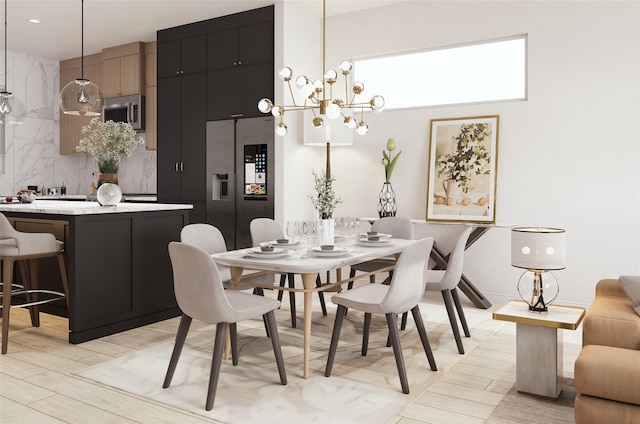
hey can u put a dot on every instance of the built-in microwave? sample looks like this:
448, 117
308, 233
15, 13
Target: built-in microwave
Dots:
128, 109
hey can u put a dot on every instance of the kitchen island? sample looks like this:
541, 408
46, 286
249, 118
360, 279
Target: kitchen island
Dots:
119, 269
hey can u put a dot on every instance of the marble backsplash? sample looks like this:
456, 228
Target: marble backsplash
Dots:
32, 145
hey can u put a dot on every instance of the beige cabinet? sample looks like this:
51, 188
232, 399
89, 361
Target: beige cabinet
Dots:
151, 96
124, 70
71, 125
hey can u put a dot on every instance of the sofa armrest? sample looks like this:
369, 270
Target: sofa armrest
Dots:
610, 287
608, 373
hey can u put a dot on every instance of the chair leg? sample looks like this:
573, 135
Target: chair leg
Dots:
275, 342
352, 274
417, 317
448, 303
218, 350
181, 336
337, 326
260, 292
394, 335
283, 280
233, 336
403, 322
28, 270
292, 300
323, 306
365, 333
7, 278
463, 319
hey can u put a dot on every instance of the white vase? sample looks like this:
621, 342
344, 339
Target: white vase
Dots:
325, 232
109, 194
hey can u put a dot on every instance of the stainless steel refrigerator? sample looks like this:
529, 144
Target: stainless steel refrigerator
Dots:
240, 176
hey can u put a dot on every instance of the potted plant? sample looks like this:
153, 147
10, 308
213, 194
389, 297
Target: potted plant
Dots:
108, 142
325, 200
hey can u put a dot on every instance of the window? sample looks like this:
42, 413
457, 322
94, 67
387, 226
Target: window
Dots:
481, 72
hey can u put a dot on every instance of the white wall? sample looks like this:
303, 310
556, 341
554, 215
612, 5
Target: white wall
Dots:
568, 156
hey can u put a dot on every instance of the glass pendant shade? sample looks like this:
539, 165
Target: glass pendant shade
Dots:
265, 105
363, 128
333, 111
5, 106
81, 97
281, 130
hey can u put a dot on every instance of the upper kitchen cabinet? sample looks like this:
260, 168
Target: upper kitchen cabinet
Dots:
181, 56
240, 65
124, 70
71, 125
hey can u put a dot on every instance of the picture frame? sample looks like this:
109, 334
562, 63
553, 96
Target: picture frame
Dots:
463, 157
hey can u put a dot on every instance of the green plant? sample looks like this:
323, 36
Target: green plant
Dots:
469, 157
325, 199
388, 160
108, 142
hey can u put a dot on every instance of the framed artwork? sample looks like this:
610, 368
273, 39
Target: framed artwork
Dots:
463, 155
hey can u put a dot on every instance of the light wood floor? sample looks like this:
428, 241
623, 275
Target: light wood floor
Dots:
38, 386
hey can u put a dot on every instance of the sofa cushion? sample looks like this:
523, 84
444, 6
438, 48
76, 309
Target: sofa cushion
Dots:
631, 286
609, 373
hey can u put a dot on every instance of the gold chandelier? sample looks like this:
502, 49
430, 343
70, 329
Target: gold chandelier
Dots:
318, 95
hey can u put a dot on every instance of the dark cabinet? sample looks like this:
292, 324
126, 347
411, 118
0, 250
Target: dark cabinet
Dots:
207, 70
180, 57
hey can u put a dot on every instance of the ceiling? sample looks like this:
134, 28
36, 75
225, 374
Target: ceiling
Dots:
110, 23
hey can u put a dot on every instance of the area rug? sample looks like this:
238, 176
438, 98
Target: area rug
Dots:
360, 389
524, 409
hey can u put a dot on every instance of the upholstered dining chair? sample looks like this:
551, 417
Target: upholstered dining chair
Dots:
201, 296
403, 294
265, 230
446, 281
398, 227
26, 249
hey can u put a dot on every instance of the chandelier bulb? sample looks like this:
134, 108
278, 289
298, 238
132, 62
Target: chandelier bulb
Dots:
345, 66
265, 105
307, 89
318, 86
301, 81
333, 111
5, 107
286, 73
377, 103
331, 76
282, 129
357, 88
349, 122
362, 128
277, 111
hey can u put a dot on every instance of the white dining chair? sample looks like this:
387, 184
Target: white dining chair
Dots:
26, 249
201, 296
403, 294
266, 230
398, 227
446, 281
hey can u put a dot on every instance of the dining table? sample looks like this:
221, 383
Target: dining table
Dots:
309, 260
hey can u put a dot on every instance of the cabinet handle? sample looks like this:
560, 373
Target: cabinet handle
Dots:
178, 72
239, 62
181, 166
177, 167
237, 115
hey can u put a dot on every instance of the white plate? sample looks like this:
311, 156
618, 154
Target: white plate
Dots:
381, 235
380, 242
336, 251
275, 243
257, 253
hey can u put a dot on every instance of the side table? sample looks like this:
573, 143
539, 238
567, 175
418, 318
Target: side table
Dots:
539, 345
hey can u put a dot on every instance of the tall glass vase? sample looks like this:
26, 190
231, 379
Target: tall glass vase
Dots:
387, 204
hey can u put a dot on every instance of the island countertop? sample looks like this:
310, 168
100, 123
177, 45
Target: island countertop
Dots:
62, 207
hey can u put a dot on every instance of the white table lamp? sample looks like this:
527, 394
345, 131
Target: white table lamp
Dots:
538, 250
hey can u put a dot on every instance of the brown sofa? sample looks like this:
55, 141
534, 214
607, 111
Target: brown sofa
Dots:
607, 371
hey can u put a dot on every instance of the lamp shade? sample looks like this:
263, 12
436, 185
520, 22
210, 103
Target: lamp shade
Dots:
81, 97
537, 248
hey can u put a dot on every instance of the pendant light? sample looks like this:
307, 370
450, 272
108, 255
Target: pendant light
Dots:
5, 107
81, 96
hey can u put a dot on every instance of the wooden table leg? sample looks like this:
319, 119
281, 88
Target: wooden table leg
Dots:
309, 283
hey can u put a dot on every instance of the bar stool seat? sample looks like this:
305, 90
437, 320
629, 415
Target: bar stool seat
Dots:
26, 249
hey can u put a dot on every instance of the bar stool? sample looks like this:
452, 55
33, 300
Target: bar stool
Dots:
26, 249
